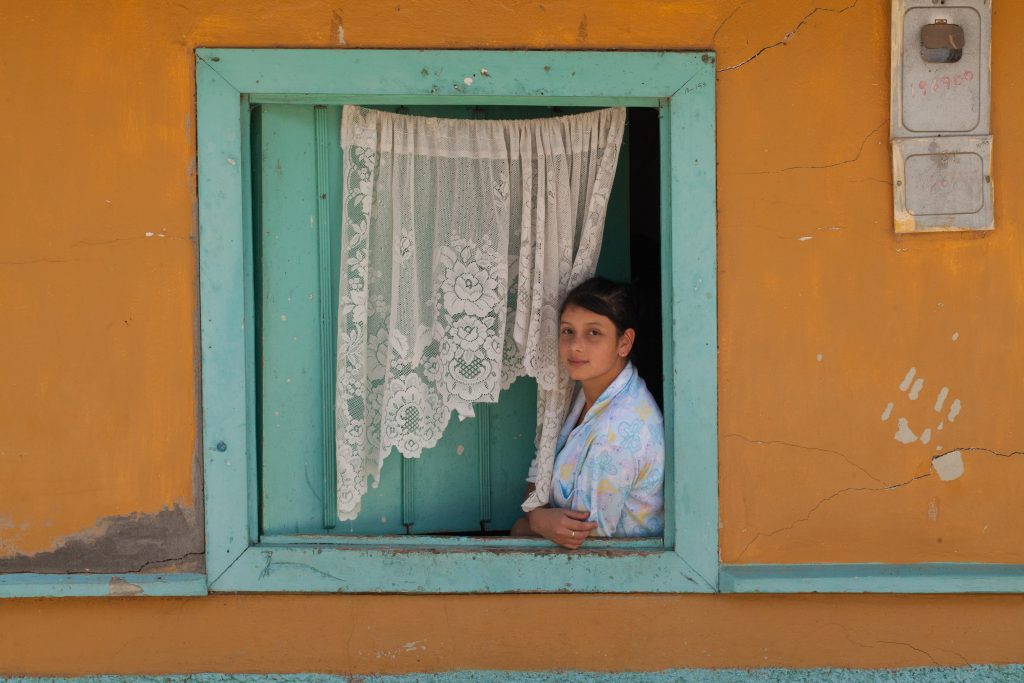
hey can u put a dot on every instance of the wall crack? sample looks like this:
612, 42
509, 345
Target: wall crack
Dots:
786, 38
33, 261
979, 449
760, 442
114, 240
726, 20
180, 558
846, 634
817, 506
818, 167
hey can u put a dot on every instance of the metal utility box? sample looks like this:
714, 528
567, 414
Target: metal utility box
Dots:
941, 136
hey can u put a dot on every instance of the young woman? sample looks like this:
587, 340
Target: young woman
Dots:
610, 466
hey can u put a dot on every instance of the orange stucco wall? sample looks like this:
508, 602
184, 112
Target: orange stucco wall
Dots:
822, 313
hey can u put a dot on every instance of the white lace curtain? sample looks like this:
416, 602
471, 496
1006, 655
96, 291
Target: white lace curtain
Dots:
459, 239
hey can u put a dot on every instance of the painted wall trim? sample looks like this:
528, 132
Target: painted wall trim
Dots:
340, 569
931, 577
436, 74
965, 674
682, 86
95, 585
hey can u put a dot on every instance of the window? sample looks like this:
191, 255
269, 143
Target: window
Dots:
266, 515
480, 463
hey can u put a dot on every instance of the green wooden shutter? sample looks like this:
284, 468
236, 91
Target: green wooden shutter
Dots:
480, 464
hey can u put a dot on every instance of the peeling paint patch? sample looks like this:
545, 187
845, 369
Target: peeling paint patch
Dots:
583, 32
119, 586
411, 646
169, 540
905, 384
913, 385
468, 80
903, 432
915, 390
949, 466
336, 27
8, 544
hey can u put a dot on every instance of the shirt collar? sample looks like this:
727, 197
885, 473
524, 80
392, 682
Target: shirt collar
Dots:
618, 384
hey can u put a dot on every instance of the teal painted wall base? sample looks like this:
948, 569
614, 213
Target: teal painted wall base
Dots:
965, 674
93, 585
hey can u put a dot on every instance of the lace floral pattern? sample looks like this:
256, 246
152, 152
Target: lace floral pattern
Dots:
459, 240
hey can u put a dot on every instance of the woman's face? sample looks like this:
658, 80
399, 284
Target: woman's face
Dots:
589, 346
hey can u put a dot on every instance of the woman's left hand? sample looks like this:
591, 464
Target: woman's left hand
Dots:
567, 528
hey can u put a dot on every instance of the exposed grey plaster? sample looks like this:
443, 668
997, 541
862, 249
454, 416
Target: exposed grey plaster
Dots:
119, 586
171, 539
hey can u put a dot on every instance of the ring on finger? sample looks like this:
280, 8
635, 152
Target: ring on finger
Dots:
572, 534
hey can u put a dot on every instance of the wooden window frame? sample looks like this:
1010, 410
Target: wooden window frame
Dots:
681, 86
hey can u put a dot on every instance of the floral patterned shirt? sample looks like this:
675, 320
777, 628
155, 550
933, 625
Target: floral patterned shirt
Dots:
613, 462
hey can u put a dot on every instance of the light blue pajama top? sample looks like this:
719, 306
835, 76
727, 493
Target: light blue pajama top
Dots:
613, 462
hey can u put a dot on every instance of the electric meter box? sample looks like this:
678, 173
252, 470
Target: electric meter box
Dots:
941, 136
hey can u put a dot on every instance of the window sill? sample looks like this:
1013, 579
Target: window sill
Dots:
460, 542
511, 566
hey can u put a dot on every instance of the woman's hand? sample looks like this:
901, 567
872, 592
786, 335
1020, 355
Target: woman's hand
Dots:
567, 528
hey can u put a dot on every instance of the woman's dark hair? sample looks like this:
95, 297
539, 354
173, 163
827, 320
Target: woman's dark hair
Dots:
617, 301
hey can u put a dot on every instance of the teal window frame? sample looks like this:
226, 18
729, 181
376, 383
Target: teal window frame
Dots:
681, 86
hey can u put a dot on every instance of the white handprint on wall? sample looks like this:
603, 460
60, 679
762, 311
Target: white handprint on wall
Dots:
948, 466
913, 386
